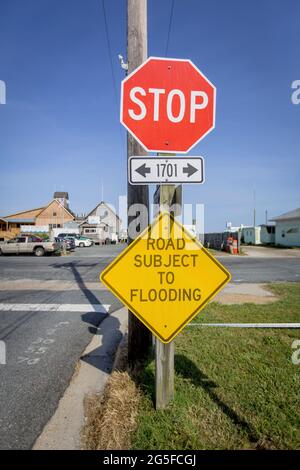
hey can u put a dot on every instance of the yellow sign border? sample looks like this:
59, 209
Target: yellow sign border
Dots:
129, 247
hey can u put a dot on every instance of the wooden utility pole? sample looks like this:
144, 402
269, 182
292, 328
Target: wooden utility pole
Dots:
139, 337
164, 373
164, 353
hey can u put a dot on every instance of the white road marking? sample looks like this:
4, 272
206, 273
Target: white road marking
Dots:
53, 285
40, 346
99, 308
249, 325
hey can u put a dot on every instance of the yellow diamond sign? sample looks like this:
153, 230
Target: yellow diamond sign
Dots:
165, 277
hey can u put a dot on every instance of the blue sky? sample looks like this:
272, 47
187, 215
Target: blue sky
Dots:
60, 127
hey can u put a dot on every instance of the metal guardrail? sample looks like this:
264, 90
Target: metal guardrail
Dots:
248, 325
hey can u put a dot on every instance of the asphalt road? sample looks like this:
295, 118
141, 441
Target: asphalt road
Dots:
43, 346
260, 270
89, 262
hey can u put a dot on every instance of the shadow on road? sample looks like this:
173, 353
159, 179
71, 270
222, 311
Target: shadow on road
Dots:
108, 338
72, 266
108, 332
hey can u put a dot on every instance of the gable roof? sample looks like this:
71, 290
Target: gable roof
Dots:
102, 203
35, 212
59, 203
38, 210
295, 214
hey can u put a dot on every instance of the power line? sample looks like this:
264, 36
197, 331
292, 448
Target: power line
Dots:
170, 27
111, 63
109, 50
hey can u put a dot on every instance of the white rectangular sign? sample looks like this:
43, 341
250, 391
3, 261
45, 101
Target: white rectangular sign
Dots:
34, 228
165, 170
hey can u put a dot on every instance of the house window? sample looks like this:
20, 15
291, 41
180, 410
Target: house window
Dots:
292, 230
54, 214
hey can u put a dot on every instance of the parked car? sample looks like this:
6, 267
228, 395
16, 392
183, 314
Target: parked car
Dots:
67, 243
60, 242
83, 241
71, 240
79, 240
28, 244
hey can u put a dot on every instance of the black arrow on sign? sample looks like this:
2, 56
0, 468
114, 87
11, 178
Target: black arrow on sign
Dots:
190, 170
143, 170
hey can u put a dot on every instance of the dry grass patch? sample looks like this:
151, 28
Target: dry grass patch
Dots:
111, 417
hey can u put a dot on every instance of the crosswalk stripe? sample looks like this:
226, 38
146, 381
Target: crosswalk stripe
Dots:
53, 285
99, 308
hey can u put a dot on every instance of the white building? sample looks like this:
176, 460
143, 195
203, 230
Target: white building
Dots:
287, 231
267, 234
102, 224
251, 235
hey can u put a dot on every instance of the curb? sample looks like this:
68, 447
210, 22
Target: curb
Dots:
63, 431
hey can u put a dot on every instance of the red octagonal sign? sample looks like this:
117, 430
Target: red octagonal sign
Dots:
168, 105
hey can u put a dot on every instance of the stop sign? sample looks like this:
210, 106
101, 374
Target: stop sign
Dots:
168, 105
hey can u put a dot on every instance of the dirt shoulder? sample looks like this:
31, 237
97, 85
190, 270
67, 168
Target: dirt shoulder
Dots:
270, 252
245, 293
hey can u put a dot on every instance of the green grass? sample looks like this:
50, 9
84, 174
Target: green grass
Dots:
234, 388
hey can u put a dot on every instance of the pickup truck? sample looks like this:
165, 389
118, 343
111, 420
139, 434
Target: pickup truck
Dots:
28, 244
